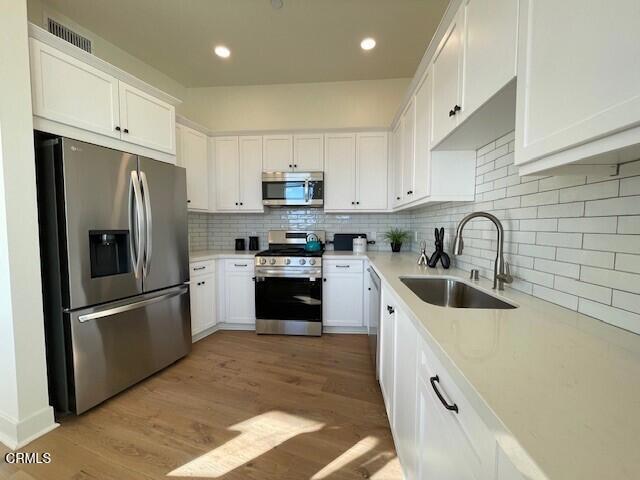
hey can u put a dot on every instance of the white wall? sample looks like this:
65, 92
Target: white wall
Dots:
356, 104
24, 402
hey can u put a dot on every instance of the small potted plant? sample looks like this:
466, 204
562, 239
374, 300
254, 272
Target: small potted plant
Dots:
396, 236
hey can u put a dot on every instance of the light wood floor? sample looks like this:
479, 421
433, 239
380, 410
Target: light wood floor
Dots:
239, 407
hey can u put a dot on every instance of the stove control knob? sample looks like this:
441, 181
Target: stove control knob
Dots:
272, 261
312, 261
302, 261
287, 261
263, 261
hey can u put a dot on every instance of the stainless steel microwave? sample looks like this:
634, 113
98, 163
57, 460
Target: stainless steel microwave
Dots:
293, 189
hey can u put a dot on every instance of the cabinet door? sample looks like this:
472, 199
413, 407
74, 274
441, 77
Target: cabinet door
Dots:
240, 297
342, 299
490, 43
405, 411
227, 159
340, 168
387, 353
192, 155
251, 173
422, 155
308, 153
396, 168
278, 153
408, 149
69, 91
202, 294
146, 120
578, 75
446, 80
371, 171
439, 456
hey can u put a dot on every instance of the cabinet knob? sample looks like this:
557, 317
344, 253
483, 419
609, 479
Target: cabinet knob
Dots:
390, 309
357, 203
295, 165
188, 201
117, 128
397, 198
241, 203
451, 113
290, 165
457, 108
353, 203
236, 203
126, 130
324, 279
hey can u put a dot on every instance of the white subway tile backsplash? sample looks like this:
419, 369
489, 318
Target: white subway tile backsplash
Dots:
550, 236
613, 206
584, 290
588, 225
571, 240
586, 257
612, 242
590, 192
626, 301
629, 282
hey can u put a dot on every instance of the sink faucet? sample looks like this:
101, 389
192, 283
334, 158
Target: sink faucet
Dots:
501, 271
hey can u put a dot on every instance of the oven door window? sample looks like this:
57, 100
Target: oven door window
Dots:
289, 298
283, 191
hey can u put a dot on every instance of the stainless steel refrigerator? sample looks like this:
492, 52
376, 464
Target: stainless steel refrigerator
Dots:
114, 254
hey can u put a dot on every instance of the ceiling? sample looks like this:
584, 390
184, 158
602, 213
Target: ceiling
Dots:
304, 41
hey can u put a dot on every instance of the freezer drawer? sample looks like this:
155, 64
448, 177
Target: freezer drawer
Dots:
116, 345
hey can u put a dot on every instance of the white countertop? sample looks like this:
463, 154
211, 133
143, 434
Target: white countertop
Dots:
564, 387
215, 254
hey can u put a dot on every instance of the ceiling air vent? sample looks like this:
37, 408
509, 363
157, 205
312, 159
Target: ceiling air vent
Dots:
68, 35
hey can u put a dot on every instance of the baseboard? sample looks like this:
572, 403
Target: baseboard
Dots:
18, 434
349, 330
251, 327
204, 333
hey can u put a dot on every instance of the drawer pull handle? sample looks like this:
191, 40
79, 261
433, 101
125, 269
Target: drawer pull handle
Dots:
239, 264
199, 268
433, 380
343, 266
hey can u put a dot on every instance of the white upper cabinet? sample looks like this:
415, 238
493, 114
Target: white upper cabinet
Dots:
308, 152
447, 67
396, 165
85, 100
278, 153
490, 39
238, 162
578, 83
146, 120
356, 171
340, 171
69, 91
371, 171
227, 161
408, 128
251, 173
191, 153
422, 145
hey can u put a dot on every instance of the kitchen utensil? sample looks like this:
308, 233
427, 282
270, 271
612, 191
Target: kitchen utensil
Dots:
313, 243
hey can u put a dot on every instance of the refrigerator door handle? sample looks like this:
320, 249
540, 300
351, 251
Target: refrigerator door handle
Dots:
174, 292
136, 204
146, 196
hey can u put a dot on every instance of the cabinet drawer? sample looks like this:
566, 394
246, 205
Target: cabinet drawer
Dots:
239, 265
473, 436
342, 266
201, 268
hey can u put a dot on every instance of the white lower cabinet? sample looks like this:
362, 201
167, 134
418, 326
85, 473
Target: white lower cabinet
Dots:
239, 291
343, 293
202, 293
437, 432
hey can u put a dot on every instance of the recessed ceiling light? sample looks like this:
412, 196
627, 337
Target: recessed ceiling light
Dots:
222, 51
368, 43
277, 4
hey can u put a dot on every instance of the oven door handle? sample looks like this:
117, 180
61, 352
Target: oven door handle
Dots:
309, 275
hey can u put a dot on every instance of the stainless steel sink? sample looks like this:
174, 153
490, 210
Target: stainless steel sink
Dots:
448, 292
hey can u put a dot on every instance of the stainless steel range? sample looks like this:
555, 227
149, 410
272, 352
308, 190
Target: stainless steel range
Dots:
289, 285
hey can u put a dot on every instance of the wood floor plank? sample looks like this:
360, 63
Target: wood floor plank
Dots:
239, 407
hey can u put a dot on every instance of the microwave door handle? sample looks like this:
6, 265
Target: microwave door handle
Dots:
135, 199
146, 196
306, 190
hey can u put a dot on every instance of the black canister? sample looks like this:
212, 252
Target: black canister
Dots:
254, 243
240, 244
